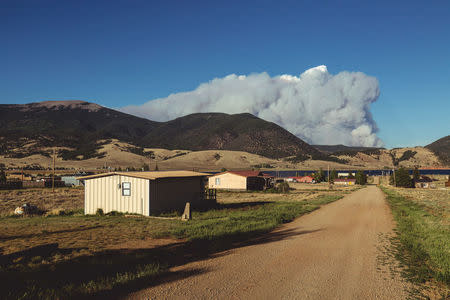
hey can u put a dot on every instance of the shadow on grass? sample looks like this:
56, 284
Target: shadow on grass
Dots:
240, 205
46, 233
63, 279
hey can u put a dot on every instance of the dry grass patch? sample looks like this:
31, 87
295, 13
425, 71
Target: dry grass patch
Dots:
422, 243
434, 201
43, 198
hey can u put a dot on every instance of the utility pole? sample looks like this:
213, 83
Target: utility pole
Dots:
395, 182
329, 175
53, 177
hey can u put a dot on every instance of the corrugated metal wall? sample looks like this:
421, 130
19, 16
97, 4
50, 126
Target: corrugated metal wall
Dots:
104, 193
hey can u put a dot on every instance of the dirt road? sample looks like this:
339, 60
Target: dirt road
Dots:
328, 254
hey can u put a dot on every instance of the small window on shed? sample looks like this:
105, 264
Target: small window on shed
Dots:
126, 189
217, 181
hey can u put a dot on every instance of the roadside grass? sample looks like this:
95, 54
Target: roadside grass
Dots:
75, 256
250, 219
423, 239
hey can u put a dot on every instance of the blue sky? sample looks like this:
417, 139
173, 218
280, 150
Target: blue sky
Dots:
118, 53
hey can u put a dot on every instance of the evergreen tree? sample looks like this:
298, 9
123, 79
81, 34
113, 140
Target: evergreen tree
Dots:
402, 178
361, 178
333, 175
2, 176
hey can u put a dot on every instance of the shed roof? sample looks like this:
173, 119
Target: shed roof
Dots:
152, 175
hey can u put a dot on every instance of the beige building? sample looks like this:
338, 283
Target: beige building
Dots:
345, 181
239, 180
143, 192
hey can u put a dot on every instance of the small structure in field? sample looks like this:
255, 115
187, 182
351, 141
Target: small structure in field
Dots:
20, 176
144, 192
71, 180
345, 174
306, 179
241, 180
424, 182
447, 184
301, 179
345, 181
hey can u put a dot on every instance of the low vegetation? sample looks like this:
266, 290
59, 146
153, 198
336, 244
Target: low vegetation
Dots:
68, 254
423, 234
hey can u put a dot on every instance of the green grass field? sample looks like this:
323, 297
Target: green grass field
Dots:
423, 235
77, 256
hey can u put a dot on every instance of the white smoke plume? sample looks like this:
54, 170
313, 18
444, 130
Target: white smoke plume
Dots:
316, 106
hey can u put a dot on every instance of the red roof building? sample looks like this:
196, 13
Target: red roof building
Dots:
305, 179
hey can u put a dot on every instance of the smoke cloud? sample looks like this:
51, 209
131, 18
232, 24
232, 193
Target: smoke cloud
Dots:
316, 106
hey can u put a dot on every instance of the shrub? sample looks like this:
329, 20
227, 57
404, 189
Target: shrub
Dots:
319, 176
2, 176
100, 212
283, 187
114, 213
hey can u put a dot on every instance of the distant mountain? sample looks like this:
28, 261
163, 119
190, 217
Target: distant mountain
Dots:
441, 148
79, 125
242, 132
329, 149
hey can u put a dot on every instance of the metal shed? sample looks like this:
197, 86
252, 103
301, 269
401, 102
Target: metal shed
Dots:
143, 192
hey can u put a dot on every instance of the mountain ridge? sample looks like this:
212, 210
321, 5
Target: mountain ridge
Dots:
79, 125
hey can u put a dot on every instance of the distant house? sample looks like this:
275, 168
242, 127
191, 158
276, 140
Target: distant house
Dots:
306, 179
143, 192
20, 176
447, 184
345, 174
71, 180
423, 182
240, 180
303, 179
345, 181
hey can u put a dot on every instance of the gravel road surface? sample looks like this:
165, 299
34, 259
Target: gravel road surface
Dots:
328, 254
